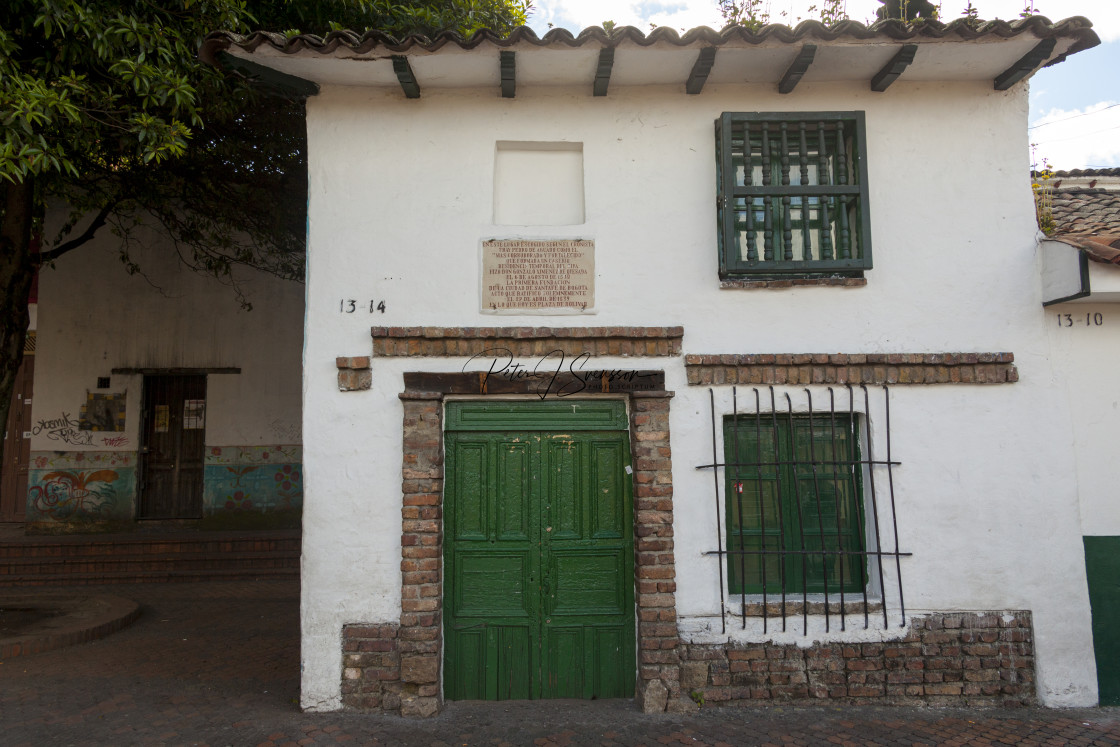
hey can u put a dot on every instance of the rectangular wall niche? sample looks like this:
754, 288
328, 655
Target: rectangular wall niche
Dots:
538, 184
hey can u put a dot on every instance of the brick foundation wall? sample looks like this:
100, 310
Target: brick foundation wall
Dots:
973, 658
841, 368
371, 666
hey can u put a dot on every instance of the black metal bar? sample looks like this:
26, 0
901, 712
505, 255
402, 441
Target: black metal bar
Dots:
894, 514
603, 71
890, 72
761, 505
781, 511
885, 553
842, 462
719, 529
875, 506
738, 484
852, 446
836, 501
817, 496
700, 70
800, 517
508, 63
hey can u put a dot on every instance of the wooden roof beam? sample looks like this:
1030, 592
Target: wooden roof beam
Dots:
700, 70
1025, 65
890, 72
406, 77
800, 65
509, 73
603, 70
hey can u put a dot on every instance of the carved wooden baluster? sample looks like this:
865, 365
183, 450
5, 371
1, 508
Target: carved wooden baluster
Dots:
787, 230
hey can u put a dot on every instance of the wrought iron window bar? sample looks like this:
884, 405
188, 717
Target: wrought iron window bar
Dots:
877, 552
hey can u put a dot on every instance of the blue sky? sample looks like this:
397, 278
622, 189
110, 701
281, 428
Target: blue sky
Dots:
1074, 117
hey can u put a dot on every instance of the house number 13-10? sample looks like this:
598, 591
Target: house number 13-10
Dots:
1091, 320
350, 305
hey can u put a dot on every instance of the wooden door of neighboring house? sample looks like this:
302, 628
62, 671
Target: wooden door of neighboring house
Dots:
17, 442
171, 448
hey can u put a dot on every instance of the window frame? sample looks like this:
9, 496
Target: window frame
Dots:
782, 429
731, 264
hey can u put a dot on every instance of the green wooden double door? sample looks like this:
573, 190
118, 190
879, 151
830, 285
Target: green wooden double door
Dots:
538, 551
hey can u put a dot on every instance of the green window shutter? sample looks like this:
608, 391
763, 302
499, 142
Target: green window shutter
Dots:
792, 194
793, 490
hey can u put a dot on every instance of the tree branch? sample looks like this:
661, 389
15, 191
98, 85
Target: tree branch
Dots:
74, 243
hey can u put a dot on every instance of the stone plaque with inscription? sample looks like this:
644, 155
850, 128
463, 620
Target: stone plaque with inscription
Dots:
556, 276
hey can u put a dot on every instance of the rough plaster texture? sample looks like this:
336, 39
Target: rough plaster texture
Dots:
401, 196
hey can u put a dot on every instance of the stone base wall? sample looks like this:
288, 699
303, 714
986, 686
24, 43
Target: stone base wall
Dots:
973, 658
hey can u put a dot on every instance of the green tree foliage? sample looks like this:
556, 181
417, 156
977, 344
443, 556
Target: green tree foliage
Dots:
105, 108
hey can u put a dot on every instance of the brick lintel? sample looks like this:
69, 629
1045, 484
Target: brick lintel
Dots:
851, 368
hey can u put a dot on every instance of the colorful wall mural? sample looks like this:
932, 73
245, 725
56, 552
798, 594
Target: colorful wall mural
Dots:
253, 478
81, 486
100, 486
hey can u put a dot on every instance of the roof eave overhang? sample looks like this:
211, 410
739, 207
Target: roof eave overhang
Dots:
998, 51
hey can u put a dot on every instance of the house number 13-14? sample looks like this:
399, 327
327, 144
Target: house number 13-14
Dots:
1091, 320
350, 305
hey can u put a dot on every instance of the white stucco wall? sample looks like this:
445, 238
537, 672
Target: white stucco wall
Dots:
94, 317
401, 195
1086, 342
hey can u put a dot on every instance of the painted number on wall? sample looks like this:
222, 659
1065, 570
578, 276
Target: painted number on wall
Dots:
1089, 320
351, 305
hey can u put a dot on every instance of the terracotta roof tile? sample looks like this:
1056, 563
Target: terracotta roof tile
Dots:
1077, 27
1089, 219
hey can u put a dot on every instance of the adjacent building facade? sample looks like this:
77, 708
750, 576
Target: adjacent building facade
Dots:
687, 368
158, 396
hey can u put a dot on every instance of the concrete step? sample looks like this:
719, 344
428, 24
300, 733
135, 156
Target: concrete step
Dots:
147, 558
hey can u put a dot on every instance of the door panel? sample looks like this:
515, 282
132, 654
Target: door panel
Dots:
539, 561
1102, 567
171, 454
17, 444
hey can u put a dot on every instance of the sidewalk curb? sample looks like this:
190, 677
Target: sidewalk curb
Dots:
80, 619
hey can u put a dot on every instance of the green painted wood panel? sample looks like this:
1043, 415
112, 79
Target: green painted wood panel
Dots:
1102, 566
539, 597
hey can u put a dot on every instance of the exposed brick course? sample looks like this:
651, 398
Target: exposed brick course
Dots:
851, 368
964, 658
526, 341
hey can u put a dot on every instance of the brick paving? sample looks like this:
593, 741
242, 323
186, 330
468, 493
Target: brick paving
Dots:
218, 664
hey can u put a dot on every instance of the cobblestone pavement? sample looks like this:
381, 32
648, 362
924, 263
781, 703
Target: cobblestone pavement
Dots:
218, 664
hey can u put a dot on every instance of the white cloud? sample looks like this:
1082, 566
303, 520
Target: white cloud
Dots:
1079, 138
579, 14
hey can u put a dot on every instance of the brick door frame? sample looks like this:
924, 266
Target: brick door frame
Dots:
420, 634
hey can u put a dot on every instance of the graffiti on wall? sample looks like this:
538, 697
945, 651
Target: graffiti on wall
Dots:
63, 429
67, 495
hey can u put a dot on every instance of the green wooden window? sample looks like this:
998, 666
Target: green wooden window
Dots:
794, 488
792, 194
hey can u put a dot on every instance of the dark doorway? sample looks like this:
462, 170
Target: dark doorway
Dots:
17, 444
171, 450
